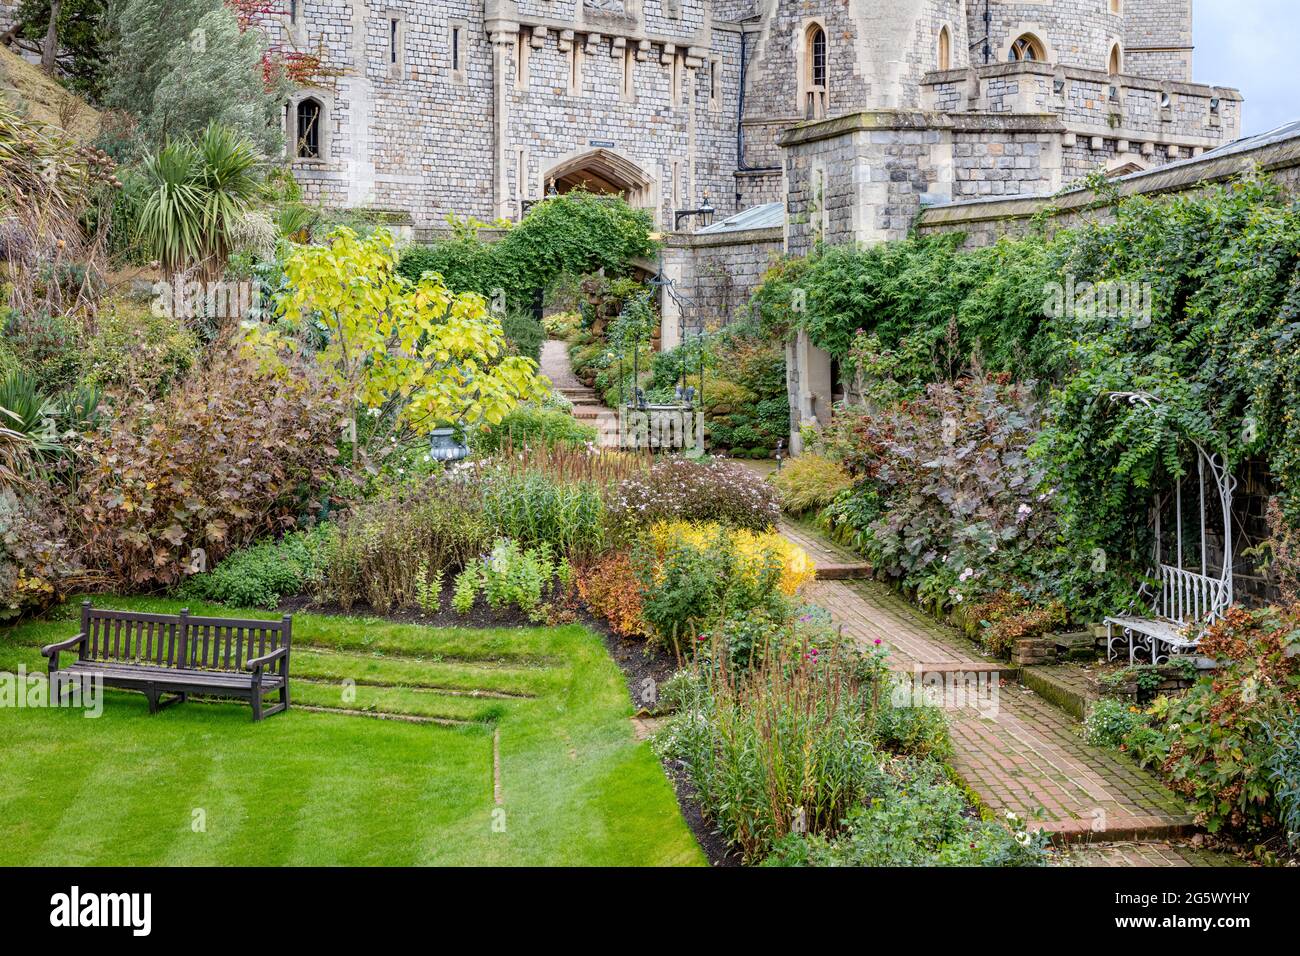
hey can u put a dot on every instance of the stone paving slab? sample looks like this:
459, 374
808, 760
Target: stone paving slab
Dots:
1143, 855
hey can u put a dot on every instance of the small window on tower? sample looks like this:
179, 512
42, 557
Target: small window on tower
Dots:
814, 73
945, 50
715, 83
575, 68
523, 47
629, 75
394, 45
456, 42
1027, 48
307, 132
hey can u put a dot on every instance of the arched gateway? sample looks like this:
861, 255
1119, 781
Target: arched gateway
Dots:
602, 171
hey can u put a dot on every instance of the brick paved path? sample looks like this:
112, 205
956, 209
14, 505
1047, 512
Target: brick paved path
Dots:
1014, 750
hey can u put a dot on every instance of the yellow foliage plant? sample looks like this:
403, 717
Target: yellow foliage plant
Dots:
429, 356
753, 549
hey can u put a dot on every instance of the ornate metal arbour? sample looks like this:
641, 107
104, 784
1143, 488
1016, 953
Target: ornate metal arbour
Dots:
1185, 600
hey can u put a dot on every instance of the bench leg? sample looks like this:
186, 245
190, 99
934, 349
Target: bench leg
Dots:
152, 696
257, 704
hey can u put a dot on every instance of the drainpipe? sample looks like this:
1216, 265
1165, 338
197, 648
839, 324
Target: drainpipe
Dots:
988, 31
741, 165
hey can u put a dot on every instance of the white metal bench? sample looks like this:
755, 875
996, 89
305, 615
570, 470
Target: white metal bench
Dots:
1186, 603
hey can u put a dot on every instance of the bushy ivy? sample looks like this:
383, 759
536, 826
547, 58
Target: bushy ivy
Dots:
1215, 353
570, 235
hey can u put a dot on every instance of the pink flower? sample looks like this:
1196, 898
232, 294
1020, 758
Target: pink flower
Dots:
878, 642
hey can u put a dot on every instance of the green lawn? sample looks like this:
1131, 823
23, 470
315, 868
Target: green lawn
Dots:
200, 783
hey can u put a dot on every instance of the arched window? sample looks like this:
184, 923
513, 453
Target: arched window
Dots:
1115, 66
1027, 47
945, 50
815, 72
307, 129
1116, 7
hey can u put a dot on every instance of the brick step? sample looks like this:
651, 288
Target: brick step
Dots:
842, 572
1118, 829
1009, 671
1053, 687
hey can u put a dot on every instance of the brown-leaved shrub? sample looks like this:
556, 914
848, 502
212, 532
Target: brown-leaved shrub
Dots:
228, 456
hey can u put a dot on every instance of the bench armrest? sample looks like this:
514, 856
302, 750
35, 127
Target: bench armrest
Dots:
52, 650
257, 663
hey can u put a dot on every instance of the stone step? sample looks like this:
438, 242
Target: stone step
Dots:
842, 572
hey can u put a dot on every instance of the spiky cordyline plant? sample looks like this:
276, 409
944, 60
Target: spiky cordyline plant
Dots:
197, 194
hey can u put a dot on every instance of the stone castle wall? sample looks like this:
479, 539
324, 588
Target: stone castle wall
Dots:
715, 274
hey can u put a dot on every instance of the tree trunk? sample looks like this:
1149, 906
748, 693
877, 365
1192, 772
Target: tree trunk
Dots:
51, 50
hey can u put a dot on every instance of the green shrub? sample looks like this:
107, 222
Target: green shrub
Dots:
570, 235
132, 348
775, 748
1110, 721
915, 817
262, 575
436, 524
44, 346
687, 590
918, 731
810, 482
531, 426
524, 331
1217, 746
533, 508
1284, 739
510, 576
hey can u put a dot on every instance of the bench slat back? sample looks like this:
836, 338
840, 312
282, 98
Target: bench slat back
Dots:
1188, 597
180, 640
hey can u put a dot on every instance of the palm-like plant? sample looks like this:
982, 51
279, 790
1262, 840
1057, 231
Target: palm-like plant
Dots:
28, 413
169, 218
16, 458
196, 195
229, 182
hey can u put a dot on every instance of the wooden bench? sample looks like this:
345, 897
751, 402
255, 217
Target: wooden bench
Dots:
1185, 605
180, 655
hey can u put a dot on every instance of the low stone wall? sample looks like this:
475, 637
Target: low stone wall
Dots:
713, 275
985, 220
1109, 120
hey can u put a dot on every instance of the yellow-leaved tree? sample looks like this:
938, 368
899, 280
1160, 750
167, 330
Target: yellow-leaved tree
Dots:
414, 355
